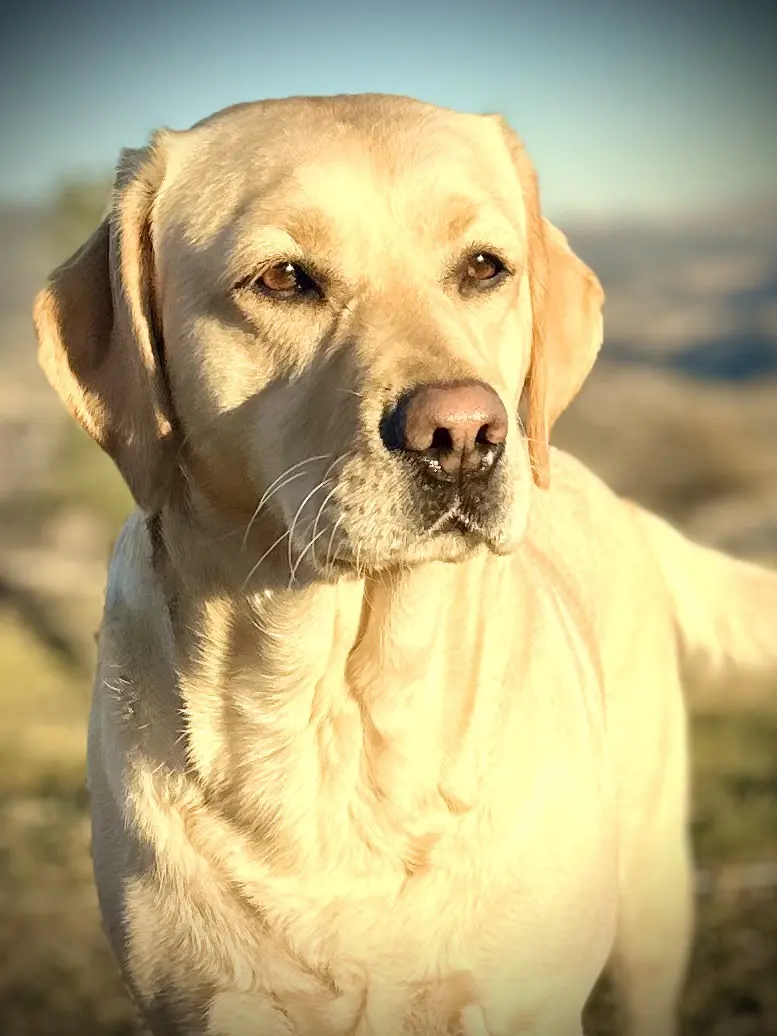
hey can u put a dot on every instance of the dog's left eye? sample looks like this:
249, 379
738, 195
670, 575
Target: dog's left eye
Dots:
482, 270
285, 280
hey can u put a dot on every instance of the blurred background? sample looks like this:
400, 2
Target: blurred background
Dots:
654, 132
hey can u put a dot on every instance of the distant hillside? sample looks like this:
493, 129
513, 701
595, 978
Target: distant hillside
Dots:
698, 297
23, 256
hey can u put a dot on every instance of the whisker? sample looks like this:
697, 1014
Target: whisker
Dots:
329, 562
269, 550
313, 491
266, 499
321, 484
337, 460
298, 562
274, 487
327, 498
528, 438
279, 483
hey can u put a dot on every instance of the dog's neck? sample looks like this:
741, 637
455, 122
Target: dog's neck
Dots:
361, 693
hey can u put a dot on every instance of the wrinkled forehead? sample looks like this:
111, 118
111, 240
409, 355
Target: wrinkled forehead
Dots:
328, 177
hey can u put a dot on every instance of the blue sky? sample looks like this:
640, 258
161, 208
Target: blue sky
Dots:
627, 108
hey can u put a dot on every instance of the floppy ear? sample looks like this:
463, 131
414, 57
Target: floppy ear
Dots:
567, 335
99, 339
567, 301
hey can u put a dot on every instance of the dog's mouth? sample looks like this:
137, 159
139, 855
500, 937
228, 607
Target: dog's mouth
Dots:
412, 518
458, 519
454, 534
473, 509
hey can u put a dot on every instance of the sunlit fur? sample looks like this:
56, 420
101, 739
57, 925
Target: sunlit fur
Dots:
355, 772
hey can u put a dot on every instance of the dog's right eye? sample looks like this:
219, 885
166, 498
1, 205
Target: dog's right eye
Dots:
285, 280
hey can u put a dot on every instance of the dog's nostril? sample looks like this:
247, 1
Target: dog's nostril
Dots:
442, 440
483, 438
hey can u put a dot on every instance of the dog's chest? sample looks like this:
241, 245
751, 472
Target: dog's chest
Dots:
493, 890
501, 925
436, 848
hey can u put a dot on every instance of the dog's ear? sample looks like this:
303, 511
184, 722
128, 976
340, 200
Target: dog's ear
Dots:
567, 301
99, 335
567, 334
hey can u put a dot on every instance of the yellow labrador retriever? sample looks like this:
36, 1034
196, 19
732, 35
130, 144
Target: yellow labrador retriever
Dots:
388, 734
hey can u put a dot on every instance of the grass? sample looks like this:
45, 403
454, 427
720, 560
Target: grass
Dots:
85, 475
56, 976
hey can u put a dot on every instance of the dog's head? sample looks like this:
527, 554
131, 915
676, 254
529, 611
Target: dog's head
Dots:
323, 316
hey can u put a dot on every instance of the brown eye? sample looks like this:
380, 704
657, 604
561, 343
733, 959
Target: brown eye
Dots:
285, 280
484, 267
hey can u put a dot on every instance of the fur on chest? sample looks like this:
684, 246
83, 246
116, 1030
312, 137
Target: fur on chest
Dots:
378, 820
532, 859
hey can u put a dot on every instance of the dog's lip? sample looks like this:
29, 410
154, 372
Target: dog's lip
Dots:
458, 524
457, 519
455, 522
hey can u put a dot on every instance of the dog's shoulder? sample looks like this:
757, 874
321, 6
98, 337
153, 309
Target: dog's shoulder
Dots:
131, 579
580, 518
135, 691
137, 612
595, 543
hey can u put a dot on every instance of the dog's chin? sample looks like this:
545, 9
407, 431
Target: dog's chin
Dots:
453, 539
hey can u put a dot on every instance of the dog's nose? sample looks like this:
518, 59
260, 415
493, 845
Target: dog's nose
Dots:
456, 429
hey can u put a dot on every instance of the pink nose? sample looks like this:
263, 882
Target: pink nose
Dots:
457, 429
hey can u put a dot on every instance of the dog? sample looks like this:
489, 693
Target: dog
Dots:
388, 733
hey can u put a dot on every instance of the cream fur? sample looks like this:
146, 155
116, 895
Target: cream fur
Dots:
398, 783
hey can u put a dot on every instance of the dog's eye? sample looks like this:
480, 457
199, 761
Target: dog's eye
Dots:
483, 267
480, 272
285, 280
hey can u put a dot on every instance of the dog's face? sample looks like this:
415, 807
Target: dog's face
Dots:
332, 308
